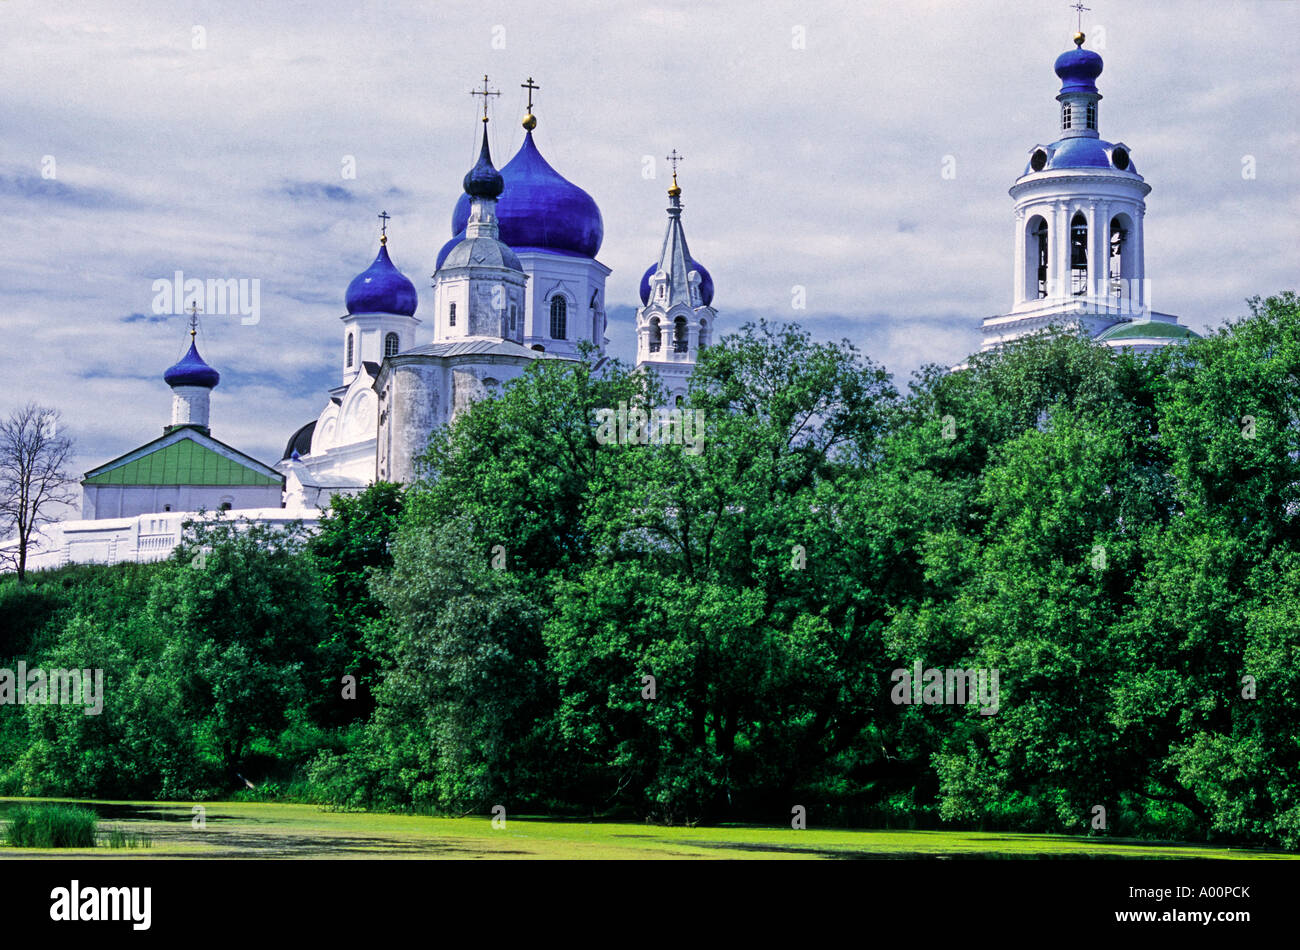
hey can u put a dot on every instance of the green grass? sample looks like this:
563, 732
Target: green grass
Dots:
51, 826
276, 830
117, 838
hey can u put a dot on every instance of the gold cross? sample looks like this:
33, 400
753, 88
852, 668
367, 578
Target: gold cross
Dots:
530, 87
484, 93
675, 158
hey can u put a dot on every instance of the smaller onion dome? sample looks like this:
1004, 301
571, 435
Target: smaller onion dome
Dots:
192, 371
483, 180
382, 288
1078, 69
706, 283
300, 442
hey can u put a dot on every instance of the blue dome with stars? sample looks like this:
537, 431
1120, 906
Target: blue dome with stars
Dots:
1078, 69
706, 282
192, 371
382, 288
539, 209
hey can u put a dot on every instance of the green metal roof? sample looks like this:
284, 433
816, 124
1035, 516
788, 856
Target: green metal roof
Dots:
184, 462
1147, 328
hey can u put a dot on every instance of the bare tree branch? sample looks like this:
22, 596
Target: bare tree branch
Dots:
34, 479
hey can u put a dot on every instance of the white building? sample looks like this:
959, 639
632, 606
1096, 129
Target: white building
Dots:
133, 508
1079, 213
518, 282
676, 317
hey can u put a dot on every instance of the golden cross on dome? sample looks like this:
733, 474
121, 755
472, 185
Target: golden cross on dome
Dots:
530, 120
1079, 8
484, 92
675, 158
531, 87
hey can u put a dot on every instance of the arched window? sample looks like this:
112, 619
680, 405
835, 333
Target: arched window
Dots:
1038, 250
1078, 254
1092, 115
656, 335
451, 316
1067, 113
349, 361
559, 310
391, 345
1123, 265
1118, 236
679, 335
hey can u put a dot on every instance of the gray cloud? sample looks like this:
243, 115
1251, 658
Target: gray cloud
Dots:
818, 167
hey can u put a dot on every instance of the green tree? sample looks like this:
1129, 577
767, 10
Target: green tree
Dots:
351, 545
241, 608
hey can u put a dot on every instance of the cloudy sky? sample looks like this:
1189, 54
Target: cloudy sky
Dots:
214, 138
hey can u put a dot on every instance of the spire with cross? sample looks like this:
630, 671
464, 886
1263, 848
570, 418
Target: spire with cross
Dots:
194, 319
383, 227
484, 92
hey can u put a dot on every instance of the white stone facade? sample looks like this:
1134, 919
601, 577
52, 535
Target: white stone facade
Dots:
147, 537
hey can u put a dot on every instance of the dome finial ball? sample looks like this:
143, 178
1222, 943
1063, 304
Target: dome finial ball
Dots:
1079, 38
530, 122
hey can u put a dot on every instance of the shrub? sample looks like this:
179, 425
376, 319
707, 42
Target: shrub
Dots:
51, 826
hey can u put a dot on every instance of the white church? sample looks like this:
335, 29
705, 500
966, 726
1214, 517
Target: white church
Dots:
520, 281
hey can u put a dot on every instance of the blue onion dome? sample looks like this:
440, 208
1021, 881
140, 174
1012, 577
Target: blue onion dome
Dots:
1078, 69
540, 208
192, 371
382, 288
484, 181
706, 283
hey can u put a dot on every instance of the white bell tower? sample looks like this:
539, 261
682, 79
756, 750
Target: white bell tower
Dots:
676, 320
1079, 212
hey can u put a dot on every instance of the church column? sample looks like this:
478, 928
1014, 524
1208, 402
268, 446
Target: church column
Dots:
1059, 262
1019, 295
1139, 294
1094, 271
1102, 244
